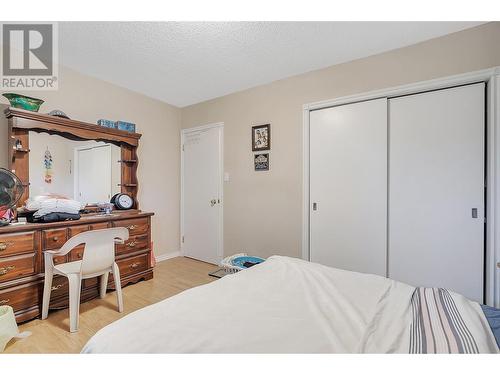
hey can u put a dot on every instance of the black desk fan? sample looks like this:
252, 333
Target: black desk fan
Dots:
11, 190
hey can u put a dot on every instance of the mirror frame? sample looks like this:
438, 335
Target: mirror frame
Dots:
21, 122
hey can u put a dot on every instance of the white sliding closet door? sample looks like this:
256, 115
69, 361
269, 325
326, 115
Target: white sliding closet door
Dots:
348, 186
436, 189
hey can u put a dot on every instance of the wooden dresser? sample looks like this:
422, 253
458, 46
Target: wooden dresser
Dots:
22, 245
21, 259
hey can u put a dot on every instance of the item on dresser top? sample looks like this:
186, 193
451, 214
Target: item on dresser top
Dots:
107, 208
127, 126
45, 204
122, 201
53, 217
24, 102
107, 123
5, 217
58, 113
8, 327
11, 190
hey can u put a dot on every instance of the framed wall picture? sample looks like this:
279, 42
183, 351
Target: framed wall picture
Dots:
261, 162
261, 137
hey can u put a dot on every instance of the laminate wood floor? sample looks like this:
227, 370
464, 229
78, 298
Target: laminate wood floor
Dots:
52, 336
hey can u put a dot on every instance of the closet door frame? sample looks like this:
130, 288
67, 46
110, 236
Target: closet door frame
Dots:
492, 79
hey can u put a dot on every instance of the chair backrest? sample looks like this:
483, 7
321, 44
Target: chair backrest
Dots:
99, 253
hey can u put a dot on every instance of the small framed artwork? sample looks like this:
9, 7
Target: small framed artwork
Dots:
261, 162
261, 137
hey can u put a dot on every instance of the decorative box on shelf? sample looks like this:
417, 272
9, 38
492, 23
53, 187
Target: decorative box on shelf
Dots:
107, 123
127, 126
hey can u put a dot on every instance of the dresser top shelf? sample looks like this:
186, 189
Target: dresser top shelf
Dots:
85, 219
84, 130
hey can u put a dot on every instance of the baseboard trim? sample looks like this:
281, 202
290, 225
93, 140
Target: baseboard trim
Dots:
162, 257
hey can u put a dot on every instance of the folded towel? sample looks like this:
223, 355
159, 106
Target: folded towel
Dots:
46, 205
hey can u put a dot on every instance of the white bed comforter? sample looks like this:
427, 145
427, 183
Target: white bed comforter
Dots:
284, 305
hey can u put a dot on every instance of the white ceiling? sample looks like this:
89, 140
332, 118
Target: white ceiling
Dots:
183, 63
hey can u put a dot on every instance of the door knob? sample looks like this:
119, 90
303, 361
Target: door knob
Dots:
213, 202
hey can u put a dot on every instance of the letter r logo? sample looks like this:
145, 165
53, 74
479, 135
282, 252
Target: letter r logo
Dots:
27, 49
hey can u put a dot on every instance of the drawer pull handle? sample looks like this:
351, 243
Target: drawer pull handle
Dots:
132, 244
5, 245
55, 239
132, 227
5, 270
57, 287
134, 265
4, 301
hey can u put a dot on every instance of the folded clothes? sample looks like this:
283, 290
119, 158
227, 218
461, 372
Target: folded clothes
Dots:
53, 217
44, 205
46, 211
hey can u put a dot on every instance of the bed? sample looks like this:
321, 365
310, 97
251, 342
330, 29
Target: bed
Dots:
287, 305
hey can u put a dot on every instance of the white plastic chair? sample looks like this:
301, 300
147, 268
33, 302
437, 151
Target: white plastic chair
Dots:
98, 260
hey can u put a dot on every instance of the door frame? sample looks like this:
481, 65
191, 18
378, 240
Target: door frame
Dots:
492, 79
220, 234
76, 166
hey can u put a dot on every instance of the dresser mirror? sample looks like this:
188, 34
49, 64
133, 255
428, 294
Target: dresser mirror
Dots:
71, 158
88, 171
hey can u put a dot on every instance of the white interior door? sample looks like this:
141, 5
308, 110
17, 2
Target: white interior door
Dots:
436, 204
348, 186
202, 194
94, 174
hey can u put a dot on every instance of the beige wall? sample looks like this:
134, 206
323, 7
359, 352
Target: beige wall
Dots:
89, 99
262, 211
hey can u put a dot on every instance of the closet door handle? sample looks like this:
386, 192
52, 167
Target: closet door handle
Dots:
474, 213
315, 206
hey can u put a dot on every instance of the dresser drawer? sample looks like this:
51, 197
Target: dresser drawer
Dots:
97, 226
132, 265
133, 244
77, 229
15, 244
54, 239
77, 252
60, 287
21, 298
16, 267
55, 260
92, 282
135, 226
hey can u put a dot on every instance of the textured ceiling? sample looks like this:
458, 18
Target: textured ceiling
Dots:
183, 63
